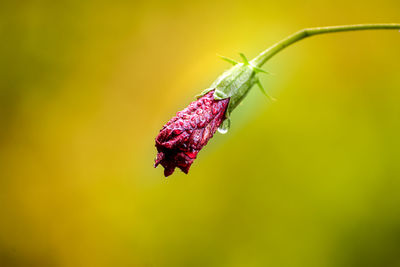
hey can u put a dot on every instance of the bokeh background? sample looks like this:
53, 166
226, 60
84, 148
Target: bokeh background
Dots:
310, 180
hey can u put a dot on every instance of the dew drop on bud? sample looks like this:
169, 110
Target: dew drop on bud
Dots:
224, 127
222, 130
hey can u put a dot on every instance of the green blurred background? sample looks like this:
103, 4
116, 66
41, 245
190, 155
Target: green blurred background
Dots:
310, 180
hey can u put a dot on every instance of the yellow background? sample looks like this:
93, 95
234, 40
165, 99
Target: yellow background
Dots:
310, 180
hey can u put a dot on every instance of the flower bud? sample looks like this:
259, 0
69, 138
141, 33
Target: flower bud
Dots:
181, 139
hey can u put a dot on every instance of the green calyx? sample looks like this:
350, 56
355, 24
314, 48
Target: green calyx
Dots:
235, 83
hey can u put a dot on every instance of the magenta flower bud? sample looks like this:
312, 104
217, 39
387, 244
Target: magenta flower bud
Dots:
181, 139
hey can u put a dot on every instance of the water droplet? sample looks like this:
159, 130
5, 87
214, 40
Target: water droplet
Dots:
224, 127
222, 130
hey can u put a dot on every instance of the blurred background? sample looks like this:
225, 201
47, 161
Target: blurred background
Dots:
310, 180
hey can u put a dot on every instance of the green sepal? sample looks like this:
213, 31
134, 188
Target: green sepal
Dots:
219, 95
263, 91
229, 60
205, 91
234, 83
245, 61
260, 70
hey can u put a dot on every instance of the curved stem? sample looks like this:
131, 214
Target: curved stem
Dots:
267, 54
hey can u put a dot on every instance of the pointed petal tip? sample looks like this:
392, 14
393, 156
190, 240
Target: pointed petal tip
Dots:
185, 168
159, 158
168, 171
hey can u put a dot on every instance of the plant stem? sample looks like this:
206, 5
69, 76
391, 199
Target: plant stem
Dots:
267, 54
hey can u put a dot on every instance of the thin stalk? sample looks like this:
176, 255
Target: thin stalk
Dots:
270, 52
